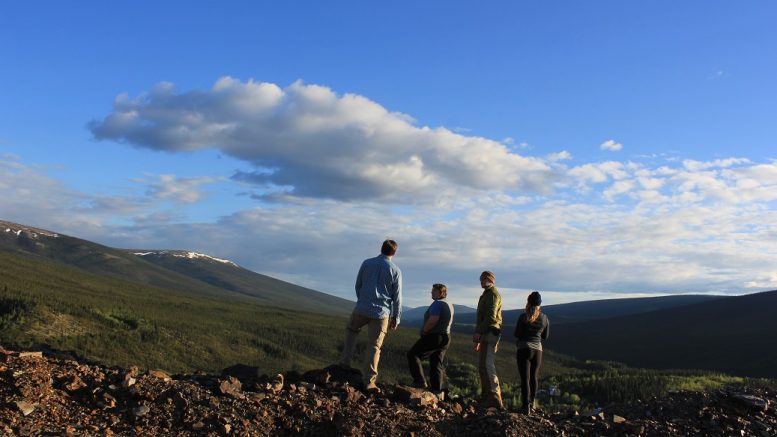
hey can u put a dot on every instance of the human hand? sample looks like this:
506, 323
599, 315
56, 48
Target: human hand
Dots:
477, 347
393, 324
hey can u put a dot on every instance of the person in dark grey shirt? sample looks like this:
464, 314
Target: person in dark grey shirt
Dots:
531, 329
434, 341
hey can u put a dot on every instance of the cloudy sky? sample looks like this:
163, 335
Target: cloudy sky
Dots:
586, 150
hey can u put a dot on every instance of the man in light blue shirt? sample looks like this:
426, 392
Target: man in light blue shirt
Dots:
378, 306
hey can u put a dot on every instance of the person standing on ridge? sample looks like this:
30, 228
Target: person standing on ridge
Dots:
487, 334
434, 341
378, 306
531, 329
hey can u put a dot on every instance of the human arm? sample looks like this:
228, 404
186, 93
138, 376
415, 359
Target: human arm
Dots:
431, 322
396, 298
546, 331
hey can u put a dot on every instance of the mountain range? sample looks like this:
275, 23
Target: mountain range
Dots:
172, 269
734, 335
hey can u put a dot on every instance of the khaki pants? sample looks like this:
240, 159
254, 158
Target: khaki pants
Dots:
489, 382
376, 331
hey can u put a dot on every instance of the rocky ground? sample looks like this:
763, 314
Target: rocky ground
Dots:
49, 395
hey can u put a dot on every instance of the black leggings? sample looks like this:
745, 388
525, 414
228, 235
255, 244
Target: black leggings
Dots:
529, 362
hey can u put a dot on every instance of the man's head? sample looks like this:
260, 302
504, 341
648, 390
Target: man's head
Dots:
439, 291
487, 279
389, 248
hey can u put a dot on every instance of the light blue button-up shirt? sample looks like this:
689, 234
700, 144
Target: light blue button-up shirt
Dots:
379, 289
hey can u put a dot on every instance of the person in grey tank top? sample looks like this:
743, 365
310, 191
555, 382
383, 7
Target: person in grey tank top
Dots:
532, 328
434, 341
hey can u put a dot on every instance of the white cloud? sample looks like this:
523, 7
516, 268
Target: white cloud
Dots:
319, 144
665, 240
693, 165
184, 190
611, 145
559, 156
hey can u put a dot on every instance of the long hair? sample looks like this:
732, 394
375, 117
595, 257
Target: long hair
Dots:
532, 312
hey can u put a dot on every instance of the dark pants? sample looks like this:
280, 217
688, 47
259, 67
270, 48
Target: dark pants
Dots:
434, 347
529, 362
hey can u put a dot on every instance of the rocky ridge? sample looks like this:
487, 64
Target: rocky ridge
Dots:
48, 394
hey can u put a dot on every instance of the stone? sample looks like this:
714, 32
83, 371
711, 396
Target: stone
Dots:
30, 354
750, 401
141, 410
25, 407
230, 386
158, 374
75, 384
618, 419
276, 384
415, 396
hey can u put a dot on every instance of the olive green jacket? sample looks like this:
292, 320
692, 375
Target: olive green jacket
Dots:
489, 311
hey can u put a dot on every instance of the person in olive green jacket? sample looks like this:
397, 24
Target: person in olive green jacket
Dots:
487, 333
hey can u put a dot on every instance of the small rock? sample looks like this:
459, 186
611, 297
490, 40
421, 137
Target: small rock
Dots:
158, 374
141, 410
618, 419
25, 407
30, 354
128, 381
750, 401
276, 385
230, 386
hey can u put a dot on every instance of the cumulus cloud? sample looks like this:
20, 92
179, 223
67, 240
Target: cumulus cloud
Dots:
611, 145
315, 143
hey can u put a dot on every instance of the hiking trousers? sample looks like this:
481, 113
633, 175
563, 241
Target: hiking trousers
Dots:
434, 347
489, 382
376, 332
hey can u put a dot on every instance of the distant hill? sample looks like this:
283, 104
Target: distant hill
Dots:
173, 269
227, 275
65, 294
734, 335
415, 316
594, 310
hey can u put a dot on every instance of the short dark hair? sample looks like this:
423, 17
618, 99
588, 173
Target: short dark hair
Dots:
389, 248
442, 289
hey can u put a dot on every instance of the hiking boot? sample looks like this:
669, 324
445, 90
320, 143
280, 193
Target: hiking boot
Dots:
419, 385
492, 400
372, 388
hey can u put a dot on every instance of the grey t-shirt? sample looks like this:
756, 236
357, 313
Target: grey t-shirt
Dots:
441, 308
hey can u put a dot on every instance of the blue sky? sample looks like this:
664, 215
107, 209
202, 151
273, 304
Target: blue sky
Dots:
587, 150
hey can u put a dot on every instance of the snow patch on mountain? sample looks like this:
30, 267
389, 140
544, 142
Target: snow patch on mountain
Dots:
31, 231
185, 254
